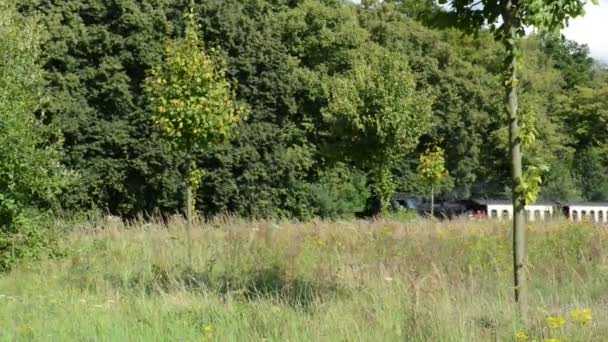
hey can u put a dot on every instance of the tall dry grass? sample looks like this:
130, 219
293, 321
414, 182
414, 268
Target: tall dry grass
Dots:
320, 281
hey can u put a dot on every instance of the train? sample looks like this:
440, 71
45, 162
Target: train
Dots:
503, 209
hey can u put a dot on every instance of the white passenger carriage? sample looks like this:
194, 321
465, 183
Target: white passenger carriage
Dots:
503, 209
592, 211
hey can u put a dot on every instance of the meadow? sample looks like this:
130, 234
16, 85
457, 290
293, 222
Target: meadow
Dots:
317, 281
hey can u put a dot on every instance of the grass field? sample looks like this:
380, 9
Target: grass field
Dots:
319, 281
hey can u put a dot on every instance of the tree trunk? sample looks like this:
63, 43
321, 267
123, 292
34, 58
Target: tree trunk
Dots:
189, 203
188, 209
510, 16
432, 201
519, 229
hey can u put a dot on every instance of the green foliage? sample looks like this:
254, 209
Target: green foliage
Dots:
431, 167
289, 60
339, 193
531, 183
561, 183
515, 16
591, 166
424, 11
95, 56
192, 102
572, 59
543, 14
512, 17
31, 177
191, 99
585, 112
460, 72
268, 164
375, 107
375, 115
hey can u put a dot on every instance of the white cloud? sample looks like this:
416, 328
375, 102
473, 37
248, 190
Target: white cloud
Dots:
592, 29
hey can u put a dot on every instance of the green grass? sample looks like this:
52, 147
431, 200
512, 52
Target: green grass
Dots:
319, 281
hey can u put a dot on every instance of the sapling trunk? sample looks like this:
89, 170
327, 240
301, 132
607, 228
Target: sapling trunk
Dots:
432, 201
512, 103
189, 209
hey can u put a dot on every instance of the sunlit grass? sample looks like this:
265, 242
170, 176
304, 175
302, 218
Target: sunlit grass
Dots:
319, 281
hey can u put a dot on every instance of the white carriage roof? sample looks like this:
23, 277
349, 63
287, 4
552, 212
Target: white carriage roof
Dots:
587, 204
508, 202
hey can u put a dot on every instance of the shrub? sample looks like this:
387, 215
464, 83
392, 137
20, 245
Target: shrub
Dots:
339, 193
30, 173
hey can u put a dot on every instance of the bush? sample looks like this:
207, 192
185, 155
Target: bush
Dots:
27, 237
30, 173
339, 193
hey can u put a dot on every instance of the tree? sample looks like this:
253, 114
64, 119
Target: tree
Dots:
31, 176
459, 71
591, 166
512, 16
431, 168
271, 163
281, 53
585, 114
95, 55
375, 116
424, 11
192, 102
572, 59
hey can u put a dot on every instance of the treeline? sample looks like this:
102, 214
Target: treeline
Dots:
342, 99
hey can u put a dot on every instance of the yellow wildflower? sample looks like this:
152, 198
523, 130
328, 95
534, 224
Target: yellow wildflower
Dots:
555, 322
521, 337
208, 329
581, 317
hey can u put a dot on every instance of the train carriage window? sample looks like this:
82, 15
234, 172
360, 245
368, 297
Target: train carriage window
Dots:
548, 214
537, 214
600, 216
574, 215
592, 215
583, 214
494, 213
505, 213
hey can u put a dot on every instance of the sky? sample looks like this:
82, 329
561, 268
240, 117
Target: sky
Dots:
592, 29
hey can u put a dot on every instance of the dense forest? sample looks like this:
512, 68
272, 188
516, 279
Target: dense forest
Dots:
324, 135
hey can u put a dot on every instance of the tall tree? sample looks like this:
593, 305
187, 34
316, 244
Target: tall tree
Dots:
460, 72
585, 114
508, 19
375, 116
193, 102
